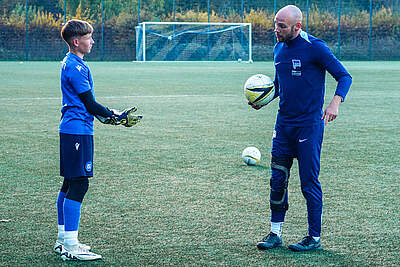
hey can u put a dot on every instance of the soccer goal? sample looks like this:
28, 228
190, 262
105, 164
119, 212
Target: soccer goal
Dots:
193, 41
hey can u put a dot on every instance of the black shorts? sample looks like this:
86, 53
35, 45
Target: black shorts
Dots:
76, 155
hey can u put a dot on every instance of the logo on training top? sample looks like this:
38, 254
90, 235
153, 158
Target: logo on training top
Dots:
77, 146
64, 63
296, 65
88, 166
78, 67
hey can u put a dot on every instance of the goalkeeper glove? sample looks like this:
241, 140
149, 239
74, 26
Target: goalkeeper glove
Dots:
127, 117
108, 120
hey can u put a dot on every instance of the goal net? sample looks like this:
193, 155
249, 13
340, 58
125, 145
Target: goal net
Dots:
193, 41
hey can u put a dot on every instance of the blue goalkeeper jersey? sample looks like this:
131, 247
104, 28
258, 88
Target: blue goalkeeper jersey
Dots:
300, 69
75, 79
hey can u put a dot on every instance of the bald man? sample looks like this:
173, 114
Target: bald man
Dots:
301, 61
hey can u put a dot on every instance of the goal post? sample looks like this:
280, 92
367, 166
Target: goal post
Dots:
193, 41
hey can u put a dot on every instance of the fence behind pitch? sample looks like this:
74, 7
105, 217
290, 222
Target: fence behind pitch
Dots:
362, 30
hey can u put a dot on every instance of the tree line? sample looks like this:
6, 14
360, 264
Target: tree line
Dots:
161, 8
121, 17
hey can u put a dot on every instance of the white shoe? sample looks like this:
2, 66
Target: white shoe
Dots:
77, 253
59, 246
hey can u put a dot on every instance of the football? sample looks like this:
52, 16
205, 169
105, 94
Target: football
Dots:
259, 89
251, 155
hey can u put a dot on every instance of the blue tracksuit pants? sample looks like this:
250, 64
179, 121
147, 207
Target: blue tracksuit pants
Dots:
303, 143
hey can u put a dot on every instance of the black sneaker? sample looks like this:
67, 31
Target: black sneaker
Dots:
270, 241
308, 243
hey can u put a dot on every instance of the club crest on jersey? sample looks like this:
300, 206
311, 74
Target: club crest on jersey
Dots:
88, 166
296, 64
79, 67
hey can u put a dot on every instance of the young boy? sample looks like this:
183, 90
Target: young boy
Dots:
76, 137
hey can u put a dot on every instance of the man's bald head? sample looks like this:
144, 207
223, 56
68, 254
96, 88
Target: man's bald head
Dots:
291, 12
288, 23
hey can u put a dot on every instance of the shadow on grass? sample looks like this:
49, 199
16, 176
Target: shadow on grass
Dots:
284, 256
59, 262
256, 167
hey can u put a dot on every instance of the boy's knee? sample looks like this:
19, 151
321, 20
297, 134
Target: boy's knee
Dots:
78, 188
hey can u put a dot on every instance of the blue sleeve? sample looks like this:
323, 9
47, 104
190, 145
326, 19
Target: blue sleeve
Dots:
79, 78
329, 62
276, 81
92, 106
276, 84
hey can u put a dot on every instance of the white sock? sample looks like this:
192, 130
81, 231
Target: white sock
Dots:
316, 238
70, 238
276, 228
60, 236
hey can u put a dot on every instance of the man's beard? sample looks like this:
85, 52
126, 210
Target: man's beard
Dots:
289, 36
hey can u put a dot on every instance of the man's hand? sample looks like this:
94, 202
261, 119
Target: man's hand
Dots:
331, 112
257, 107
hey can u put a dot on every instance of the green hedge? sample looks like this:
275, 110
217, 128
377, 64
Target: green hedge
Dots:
119, 32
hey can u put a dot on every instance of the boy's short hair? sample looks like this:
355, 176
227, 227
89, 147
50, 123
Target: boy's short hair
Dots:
75, 28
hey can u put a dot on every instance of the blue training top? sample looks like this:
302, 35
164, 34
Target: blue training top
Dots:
75, 79
301, 65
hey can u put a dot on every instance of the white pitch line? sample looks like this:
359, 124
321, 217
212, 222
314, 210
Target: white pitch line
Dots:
112, 97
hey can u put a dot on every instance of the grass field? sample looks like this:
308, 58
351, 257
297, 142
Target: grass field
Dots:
174, 191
